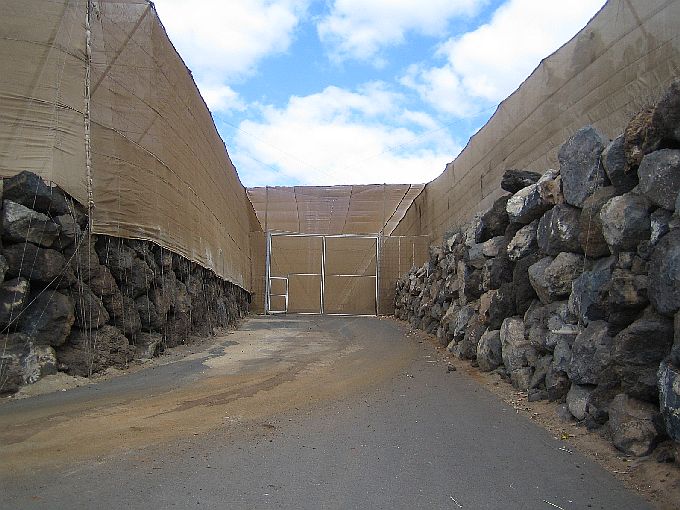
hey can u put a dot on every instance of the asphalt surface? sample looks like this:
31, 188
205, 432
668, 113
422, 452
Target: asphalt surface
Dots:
341, 413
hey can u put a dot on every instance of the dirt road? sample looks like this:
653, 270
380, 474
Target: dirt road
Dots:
292, 412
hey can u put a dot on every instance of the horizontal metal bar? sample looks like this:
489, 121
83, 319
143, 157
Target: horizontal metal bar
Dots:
302, 234
351, 315
278, 278
354, 275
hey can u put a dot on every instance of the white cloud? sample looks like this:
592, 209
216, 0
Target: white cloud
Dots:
360, 28
342, 137
221, 98
486, 65
222, 41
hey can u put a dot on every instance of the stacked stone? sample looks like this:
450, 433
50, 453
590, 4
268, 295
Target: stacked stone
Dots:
80, 303
569, 287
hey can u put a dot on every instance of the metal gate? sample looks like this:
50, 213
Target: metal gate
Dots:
322, 274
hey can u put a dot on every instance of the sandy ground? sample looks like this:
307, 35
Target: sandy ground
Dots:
267, 373
658, 482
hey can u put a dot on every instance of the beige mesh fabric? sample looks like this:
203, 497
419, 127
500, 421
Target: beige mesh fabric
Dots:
397, 256
330, 210
158, 166
160, 170
42, 82
619, 63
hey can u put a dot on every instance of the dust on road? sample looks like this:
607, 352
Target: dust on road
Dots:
257, 371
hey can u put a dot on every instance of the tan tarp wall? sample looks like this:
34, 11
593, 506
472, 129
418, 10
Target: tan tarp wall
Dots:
619, 63
159, 169
42, 85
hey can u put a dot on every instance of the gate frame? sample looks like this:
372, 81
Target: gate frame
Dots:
268, 255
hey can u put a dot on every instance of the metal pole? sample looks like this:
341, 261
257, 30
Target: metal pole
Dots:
267, 271
377, 274
323, 271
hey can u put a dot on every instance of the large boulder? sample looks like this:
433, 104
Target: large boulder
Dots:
627, 296
152, 318
661, 221
123, 313
562, 326
498, 270
26, 188
626, 221
634, 425
640, 137
69, 231
659, 174
517, 352
591, 354
591, 239
559, 230
637, 352
48, 319
21, 224
457, 318
40, 265
580, 165
495, 220
495, 305
529, 203
469, 282
88, 352
589, 299
669, 398
13, 298
492, 247
666, 115
664, 280
467, 347
515, 180
524, 292
90, 312
489, 351
22, 362
552, 278
578, 399
614, 161
101, 281
557, 382
148, 345
523, 242
133, 275
536, 324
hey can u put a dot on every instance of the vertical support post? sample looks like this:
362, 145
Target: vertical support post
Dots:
323, 271
267, 272
399, 253
378, 240
266, 208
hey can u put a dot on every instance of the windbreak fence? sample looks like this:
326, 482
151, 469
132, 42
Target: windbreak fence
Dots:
342, 274
95, 98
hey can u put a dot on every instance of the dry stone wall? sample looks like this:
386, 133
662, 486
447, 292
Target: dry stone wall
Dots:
79, 303
569, 286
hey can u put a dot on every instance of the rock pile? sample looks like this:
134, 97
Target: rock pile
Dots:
569, 287
77, 302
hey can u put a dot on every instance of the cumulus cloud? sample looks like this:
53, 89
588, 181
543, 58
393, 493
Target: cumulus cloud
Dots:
224, 40
484, 66
359, 29
338, 137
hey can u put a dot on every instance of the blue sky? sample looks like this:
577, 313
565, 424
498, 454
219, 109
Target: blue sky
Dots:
321, 92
